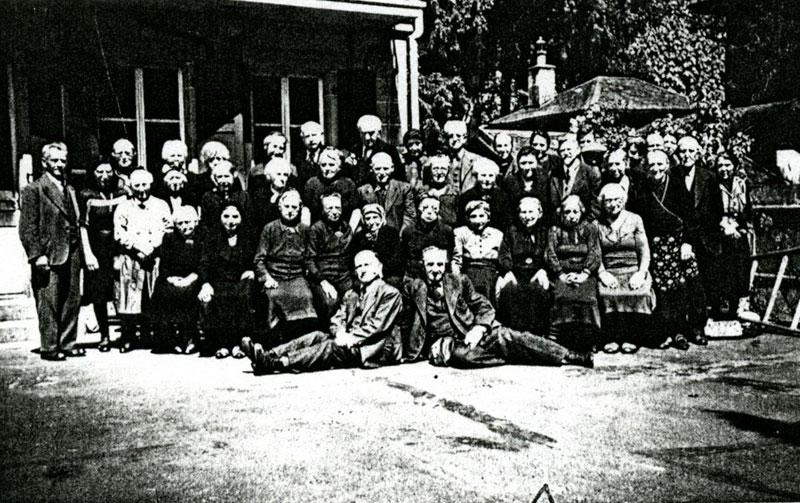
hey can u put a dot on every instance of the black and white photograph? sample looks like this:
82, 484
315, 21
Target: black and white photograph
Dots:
535, 251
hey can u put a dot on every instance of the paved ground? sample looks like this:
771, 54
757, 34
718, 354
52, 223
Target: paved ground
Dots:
713, 424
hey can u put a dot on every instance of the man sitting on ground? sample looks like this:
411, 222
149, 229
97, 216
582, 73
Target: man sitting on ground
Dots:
446, 320
361, 331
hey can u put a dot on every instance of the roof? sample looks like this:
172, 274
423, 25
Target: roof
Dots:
634, 99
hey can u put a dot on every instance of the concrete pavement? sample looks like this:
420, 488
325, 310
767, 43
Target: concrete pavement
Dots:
712, 424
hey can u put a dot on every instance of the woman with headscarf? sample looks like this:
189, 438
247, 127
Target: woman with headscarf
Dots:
523, 287
174, 306
226, 275
573, 257
280, 264
626, 288
730, 268
384, 240
476, 249
328, 181
97, 203
139, 227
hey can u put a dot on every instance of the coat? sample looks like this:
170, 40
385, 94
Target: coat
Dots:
361, 171
466, 307
586, 186
45, 220
398, 203
371, 319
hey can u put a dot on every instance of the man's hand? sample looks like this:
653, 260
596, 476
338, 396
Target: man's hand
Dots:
247, 275
42, 263
541, 279
507, 279
346, 339
175, 281
270, 283
608, 280
329, 290
580, 277
91, 262
206, 293
687, 252
475, 335
637, 280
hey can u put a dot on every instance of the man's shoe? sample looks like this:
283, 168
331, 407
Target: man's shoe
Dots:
698, 338
581, 359
190, 347
237, 353
53, 356
75, 352
611, 348
248, 347
104, 346
126, 347
680, 342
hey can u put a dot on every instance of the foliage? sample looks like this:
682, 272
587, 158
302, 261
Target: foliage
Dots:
604, 123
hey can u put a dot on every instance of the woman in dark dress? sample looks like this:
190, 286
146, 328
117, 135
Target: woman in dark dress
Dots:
427, 231
384, 240
524, 288
662, 204
330, 180
97, 204
226, 276
573, 257
174, 305
528, 181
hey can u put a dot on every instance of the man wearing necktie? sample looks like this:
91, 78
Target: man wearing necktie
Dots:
462, 161
48, 229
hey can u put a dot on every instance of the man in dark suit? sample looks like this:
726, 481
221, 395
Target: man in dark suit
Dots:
396, 197
704, 201
369, 128
461, 177
313, 137
362, 332
447, 321
48, 229
577, 178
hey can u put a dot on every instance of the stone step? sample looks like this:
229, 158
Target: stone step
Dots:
18, 307
19, 330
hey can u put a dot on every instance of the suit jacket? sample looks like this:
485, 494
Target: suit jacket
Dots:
45, 219
398, 203
370, 316
466, 307
360, 173
586, 186
462, 172
705, 210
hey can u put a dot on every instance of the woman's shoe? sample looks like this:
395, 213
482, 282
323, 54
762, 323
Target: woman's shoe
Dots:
190, 347
126, 347
237, 352
104, 346
611, 348
628, 348
222, 353
680, 342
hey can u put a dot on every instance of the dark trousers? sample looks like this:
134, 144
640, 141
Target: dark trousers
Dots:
316, 351
58, 301
502, 346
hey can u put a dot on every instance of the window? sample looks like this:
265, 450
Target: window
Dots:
284, 104
144, 105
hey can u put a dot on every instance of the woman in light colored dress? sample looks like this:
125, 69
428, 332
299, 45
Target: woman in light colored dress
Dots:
139, 227
626, 288
477, 248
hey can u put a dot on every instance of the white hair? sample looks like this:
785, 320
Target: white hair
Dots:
176, 146
119, 144
455, 126
369, 123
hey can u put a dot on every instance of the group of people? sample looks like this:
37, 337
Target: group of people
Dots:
377, 255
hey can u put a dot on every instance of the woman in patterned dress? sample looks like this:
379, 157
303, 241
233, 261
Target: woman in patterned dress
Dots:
477, 248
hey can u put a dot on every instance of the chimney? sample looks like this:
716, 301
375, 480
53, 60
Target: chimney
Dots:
541, 78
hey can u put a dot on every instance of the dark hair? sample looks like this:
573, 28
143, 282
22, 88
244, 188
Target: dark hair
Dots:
539, 132
585, 130
526, 151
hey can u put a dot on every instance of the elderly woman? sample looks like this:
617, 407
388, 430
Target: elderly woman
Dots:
435, 183
626, 289
177, 192
486, 189
264, 198
223, 192
573, 258
174, 307
662, 204
384, 240
730, 267
330, 255
529, 180
139, 227
97, 203
330, 180
476, 249
427, 231
226, 275
523, 286
280, 263
213, 153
